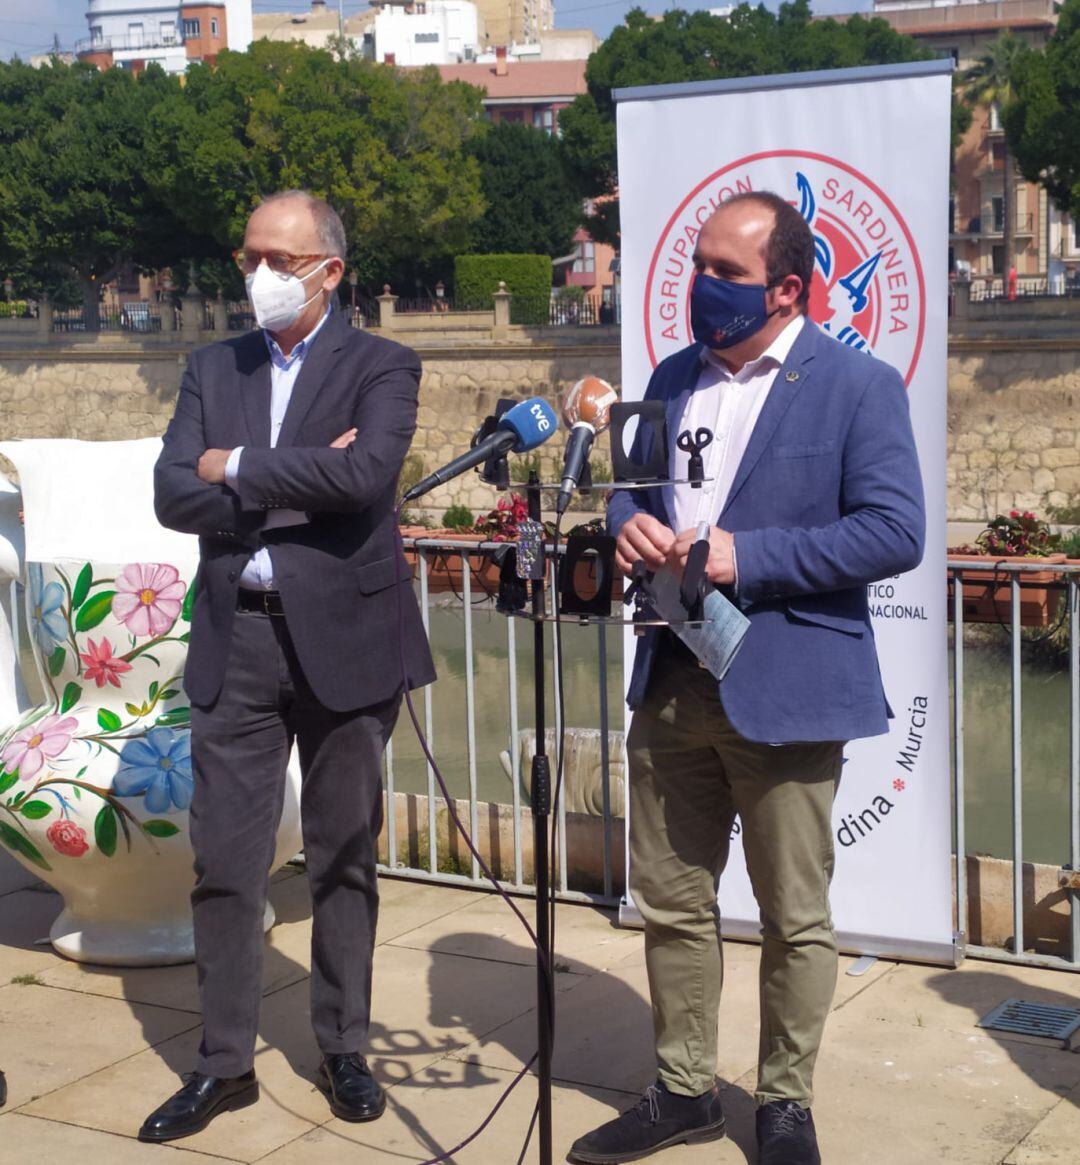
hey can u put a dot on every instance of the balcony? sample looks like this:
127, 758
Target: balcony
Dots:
125, 44
1024, 228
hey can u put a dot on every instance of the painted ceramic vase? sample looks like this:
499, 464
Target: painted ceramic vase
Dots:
96, 781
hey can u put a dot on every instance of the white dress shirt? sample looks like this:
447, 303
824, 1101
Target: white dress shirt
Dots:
258, 574
729, 405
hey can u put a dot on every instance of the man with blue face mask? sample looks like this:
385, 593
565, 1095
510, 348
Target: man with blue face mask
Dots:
813, 492
283, 457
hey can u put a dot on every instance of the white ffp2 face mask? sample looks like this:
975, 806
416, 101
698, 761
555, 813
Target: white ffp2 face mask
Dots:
278, 302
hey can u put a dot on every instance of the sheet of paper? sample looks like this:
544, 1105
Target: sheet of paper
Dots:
716, 641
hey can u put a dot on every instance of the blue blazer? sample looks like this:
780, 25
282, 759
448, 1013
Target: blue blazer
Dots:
827, 498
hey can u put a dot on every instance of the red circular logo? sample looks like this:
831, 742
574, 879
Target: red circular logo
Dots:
867, 291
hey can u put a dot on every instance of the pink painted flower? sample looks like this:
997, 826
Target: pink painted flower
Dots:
67, 838
29, 748
101, 665
148, 597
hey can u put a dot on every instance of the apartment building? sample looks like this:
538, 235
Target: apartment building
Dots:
1041, 236
135, 33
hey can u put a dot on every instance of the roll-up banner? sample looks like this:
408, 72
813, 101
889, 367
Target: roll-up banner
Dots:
864, 155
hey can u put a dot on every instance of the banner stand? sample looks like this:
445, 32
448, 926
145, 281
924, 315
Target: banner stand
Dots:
863, 154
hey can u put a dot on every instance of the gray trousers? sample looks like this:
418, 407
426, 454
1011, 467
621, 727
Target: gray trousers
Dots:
240, 749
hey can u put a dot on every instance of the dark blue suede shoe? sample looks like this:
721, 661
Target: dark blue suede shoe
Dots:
785, 1135
658, 1120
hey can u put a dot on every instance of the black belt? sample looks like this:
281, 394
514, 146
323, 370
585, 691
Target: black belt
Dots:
261, 602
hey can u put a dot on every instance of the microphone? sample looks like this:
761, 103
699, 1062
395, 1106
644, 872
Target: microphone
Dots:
518, 430
588, 410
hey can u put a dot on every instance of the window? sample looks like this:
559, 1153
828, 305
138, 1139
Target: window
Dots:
998, 260
997, 156
95, 35
995, 118
214, 26
135, 32
1076, 235
997, 206
952, 216
426, 38
544, 119
584, 258
192, 29
168, 31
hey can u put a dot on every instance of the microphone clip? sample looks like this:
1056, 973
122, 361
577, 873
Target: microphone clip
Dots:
694, 444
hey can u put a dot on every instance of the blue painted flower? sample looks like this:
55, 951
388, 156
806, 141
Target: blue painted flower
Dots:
46, 617
159, 765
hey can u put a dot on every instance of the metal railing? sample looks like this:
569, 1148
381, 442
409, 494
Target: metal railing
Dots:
1067, 583
1005, 576
473, 588
128, 43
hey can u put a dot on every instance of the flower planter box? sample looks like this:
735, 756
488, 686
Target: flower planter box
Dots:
446, 567
987, 595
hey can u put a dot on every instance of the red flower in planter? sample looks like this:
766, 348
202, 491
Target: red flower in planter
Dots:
67, 838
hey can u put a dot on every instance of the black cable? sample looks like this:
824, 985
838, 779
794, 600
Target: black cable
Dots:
547, 957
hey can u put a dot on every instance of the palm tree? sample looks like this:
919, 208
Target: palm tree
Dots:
988, 82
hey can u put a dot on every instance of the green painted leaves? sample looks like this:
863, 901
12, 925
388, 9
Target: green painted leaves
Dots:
22, 845
70, 697
159, 828
108, 720
56, 661
175, 717
82, 587
105, 830
35, 810
94, 610
7, 780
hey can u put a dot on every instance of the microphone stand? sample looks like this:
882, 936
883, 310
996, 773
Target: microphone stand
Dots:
541, 809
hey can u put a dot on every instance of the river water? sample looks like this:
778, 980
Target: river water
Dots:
987, 737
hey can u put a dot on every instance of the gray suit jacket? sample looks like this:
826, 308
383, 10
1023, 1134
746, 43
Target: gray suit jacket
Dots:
344, 584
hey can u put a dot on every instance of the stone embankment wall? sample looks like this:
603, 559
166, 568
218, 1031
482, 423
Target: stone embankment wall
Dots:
1013, 411
114, 387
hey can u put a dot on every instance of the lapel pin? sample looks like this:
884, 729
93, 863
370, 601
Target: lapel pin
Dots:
791, 377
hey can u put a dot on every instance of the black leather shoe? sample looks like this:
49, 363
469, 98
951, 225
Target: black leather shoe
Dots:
196, 1104
785, 1135
659, 1119
353, 1092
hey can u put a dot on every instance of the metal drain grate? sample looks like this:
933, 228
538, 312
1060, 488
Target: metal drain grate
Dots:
1035, 1023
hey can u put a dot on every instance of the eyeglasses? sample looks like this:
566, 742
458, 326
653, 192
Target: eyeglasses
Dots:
280, 262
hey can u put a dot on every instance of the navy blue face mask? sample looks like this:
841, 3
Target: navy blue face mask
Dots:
723, 313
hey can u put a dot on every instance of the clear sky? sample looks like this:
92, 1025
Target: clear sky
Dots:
28, 26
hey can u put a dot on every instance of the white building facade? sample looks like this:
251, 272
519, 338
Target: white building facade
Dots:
438, 32
136, 33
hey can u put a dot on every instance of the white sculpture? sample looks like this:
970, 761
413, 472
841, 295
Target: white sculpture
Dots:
95, 777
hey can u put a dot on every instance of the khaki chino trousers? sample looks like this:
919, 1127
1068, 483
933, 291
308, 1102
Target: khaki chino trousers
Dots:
691, 774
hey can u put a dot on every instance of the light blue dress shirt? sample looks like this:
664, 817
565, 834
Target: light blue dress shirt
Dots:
258, 574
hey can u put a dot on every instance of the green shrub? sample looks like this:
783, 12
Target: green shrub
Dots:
458, 518
527, 278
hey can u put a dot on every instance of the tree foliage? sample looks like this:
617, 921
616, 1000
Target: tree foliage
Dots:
694, 46
1043, 120
531, 208
74, 195
988, 82
385, 147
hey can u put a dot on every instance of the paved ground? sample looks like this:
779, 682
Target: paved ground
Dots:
905, 1077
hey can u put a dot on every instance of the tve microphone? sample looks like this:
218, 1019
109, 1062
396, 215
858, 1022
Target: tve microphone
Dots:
588, 410
522, 428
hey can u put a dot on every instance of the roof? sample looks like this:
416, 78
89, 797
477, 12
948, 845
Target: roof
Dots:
522, 79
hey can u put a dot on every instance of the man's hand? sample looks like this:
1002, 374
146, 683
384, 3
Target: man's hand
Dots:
345, 440
212, 466
643, 538
720, 566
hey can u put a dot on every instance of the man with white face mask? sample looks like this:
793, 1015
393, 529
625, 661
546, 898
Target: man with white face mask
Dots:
283, 456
